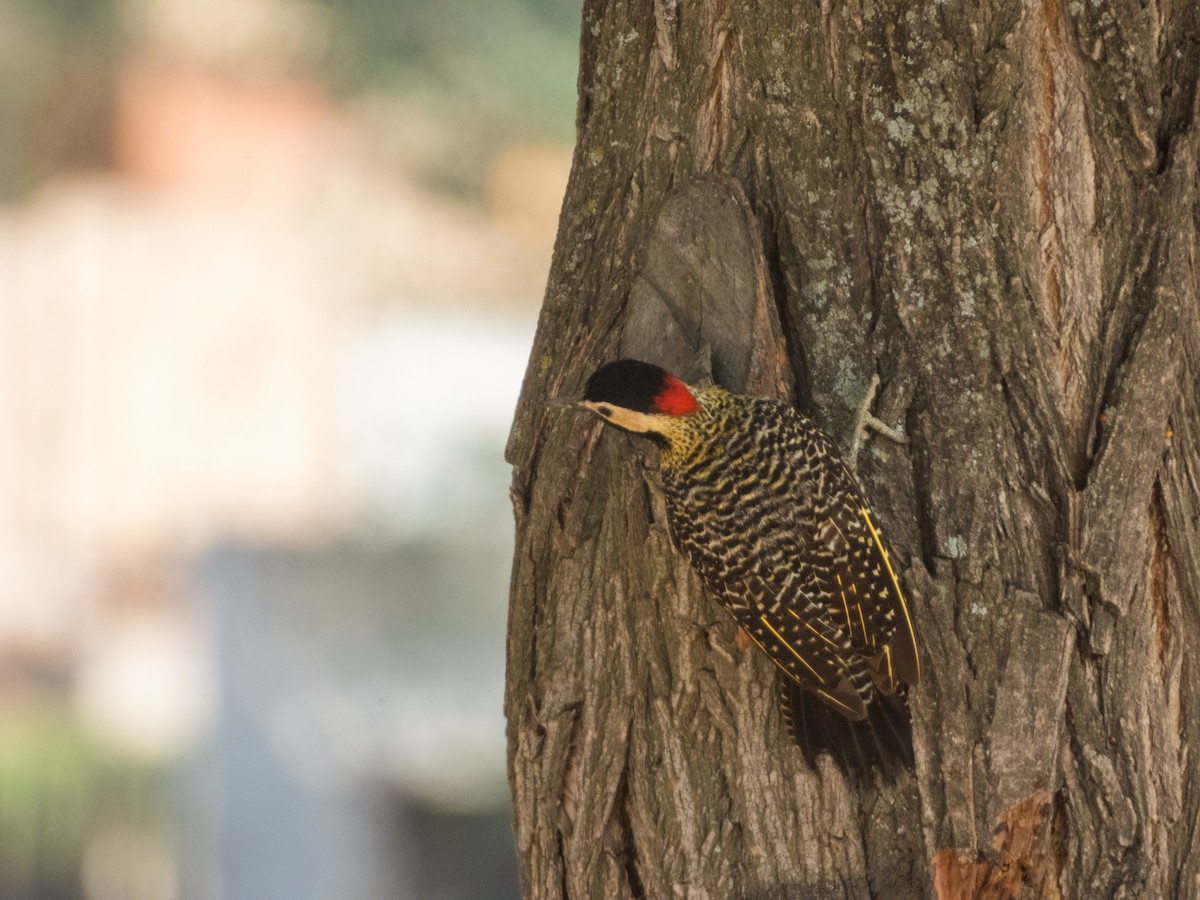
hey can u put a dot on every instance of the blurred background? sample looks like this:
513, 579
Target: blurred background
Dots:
269, 271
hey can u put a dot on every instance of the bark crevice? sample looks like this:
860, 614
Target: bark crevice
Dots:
997, 212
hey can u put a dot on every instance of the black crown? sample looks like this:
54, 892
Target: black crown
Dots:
627, 383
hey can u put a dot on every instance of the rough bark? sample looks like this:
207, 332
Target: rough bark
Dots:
992, 207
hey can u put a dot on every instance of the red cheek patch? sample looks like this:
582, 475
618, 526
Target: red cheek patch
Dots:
675, 399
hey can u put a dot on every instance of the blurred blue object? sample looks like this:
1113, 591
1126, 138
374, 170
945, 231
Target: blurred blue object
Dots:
360, 737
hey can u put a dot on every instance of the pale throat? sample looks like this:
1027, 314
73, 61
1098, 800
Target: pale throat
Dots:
673, 430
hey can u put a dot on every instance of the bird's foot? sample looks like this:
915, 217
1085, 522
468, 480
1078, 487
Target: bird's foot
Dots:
865, 420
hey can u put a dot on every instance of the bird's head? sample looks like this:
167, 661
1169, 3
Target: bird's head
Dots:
640, 398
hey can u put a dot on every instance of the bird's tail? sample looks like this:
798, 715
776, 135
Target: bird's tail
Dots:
883, 740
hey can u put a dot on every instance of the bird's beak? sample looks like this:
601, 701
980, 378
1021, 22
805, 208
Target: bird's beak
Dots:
589, 407
562, 403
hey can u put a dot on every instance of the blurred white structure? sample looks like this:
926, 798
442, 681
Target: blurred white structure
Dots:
253, 339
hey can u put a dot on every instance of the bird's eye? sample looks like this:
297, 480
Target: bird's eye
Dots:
605, 411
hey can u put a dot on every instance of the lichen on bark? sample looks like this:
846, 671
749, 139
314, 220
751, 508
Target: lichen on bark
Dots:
994, 210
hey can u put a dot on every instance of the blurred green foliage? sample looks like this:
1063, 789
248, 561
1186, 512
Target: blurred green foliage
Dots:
486, 73
482, 73
58, 789
57, 62
511, 59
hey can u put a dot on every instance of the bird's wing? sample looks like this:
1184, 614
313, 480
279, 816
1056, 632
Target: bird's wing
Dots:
795, 632
867, 600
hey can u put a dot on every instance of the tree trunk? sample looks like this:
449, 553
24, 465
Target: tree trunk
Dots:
993, 208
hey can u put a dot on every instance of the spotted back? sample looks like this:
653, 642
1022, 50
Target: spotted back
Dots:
761, 503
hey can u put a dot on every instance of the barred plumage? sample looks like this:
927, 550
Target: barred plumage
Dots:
761, 503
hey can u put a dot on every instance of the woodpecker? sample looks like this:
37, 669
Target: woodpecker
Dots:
760, 502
